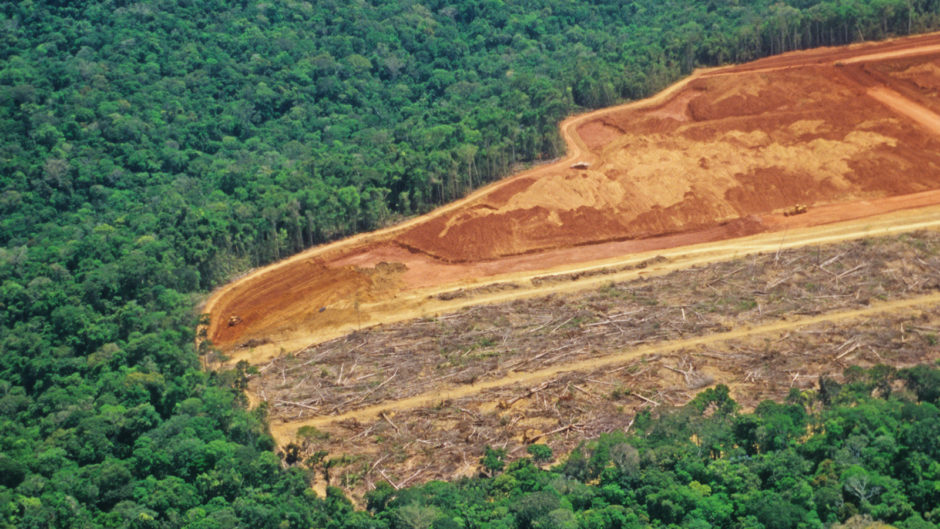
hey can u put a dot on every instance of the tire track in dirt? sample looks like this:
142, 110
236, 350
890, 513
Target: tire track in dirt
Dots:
879, 87
897, 48
285, 432
900, 104
896, 54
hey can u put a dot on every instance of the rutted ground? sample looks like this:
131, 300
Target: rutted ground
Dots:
719, 155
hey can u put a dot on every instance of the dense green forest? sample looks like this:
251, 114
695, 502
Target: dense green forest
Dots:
822, 456
150, 150
240, 132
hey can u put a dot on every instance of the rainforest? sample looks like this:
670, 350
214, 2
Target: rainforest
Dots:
152, 151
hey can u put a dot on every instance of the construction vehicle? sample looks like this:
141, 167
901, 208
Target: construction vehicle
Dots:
798, 209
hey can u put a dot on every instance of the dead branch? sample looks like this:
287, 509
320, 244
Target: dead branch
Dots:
388, 420
470, 413
532, 391
411, 477
847, 351
582, 390
629, 425
556, 430
856, 269
296, 404
377, 461
559, 325
388, 479
651, 401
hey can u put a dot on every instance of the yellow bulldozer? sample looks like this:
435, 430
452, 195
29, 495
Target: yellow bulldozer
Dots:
798, 209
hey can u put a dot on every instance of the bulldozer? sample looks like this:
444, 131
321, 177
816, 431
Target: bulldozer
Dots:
797, 209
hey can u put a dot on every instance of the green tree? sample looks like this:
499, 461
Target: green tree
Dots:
540, 453
493, 460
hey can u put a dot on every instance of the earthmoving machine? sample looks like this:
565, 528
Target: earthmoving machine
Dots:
798, 209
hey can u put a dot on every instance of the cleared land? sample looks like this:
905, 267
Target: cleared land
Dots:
850, 132
554, 305
419, 400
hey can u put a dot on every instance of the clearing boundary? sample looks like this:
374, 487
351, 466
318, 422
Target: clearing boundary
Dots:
330, 290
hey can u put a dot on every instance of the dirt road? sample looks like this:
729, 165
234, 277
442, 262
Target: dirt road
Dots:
924, 116
427, 302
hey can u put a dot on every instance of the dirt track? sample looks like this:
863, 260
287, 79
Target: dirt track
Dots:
428, 301
715, 157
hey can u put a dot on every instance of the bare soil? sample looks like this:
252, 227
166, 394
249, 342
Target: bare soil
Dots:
553, 305
848, 131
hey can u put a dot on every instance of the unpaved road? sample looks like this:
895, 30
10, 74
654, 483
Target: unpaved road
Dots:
895, 101
424, 302
296, 311
285, 432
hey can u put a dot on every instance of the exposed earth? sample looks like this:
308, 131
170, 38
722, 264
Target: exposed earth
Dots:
740, 227
848, 132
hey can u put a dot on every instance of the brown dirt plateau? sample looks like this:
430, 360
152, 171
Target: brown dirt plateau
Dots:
719, 155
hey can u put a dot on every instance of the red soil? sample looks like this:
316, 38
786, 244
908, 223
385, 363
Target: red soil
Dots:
720, 155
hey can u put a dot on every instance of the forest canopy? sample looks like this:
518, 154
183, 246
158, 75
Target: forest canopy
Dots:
269, 127
150, 150
845, 453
